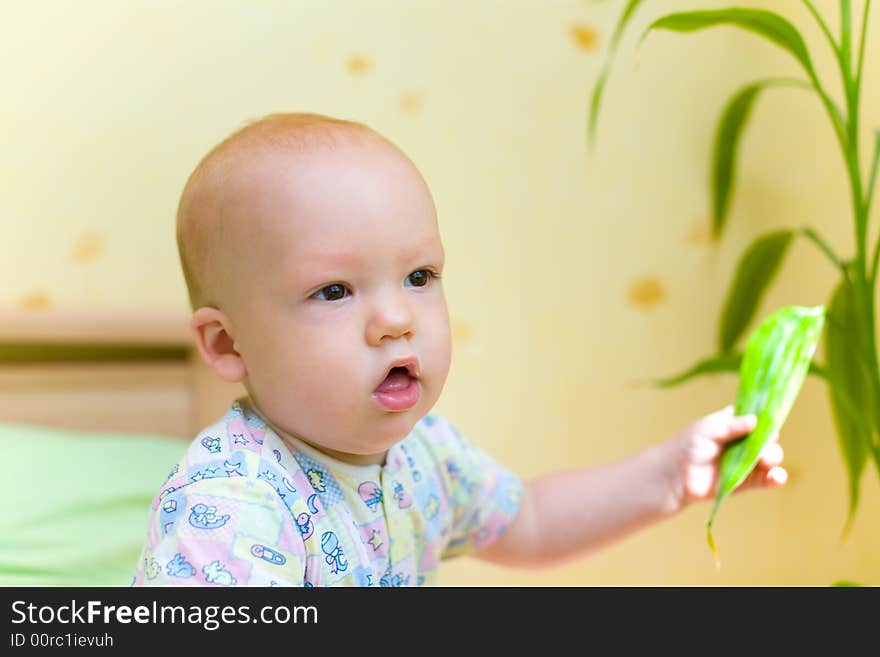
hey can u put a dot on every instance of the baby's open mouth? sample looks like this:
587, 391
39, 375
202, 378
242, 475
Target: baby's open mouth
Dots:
398, 379
400, 389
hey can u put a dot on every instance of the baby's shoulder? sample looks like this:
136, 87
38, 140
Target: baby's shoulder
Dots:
434, 427
237, 445
435, 435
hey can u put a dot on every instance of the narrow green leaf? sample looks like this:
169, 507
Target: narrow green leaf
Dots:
624, 20
726, 146
872, 175
728, 362
766, 23
754, 273
823, 246
595, 101
727, 136
849, 389
823, 26
599, 88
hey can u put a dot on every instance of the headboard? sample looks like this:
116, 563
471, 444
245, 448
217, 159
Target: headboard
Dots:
131, 372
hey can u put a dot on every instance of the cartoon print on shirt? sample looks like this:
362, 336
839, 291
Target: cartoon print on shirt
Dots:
268, 554
416, 475
151, 568
375, 539
362, 576
456, 474
277, 455
316, 479
171, 511
207, 473
173, 472
342, 508
203, 516
402, 497
303, 520
371, 494
211, 444
335, 556
178, 566
216, 573
432, 506
239, 439
395, 579
313, 504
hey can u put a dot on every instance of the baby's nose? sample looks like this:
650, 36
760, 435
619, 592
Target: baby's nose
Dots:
392, 317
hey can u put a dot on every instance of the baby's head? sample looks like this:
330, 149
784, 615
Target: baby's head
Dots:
310, 248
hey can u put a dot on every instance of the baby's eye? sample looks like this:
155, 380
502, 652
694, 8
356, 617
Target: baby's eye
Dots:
332, 292
420, 277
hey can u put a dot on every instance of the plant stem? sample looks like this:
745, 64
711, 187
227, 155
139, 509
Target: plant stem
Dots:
851, 86
813, 236
834, 114
846, 31
823, 25
869, 198
863, 283
861, 63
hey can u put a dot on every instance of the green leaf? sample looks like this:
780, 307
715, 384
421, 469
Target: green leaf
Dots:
624, 20
595, 103
727, 136
774, 366
599, 88
849, 388
766, 23
872, 176
754, 273
713, 365
729, 362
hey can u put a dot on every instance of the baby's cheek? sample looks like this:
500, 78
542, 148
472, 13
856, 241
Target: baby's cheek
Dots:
441, 349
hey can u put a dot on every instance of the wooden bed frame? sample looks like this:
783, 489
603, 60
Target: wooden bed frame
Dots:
122, 372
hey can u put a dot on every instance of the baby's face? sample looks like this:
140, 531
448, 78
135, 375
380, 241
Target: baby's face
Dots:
334, 283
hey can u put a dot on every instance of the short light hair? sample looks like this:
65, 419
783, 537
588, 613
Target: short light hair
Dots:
287, 132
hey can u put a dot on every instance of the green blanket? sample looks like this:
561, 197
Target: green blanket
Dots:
74, 504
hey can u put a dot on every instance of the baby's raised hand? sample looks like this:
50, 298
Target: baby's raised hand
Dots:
695, 452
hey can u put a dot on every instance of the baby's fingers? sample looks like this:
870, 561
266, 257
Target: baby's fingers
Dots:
772, 454
768, 471
762, 477
723, 426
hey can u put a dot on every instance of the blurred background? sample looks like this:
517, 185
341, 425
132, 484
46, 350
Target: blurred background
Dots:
571, 273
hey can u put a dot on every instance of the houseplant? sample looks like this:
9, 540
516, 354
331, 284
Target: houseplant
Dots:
850, 365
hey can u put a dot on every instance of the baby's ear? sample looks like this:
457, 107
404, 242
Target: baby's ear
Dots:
216, 345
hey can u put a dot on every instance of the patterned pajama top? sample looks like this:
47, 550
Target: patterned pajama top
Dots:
245, 507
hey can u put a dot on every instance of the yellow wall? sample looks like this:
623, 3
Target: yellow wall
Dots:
569, 277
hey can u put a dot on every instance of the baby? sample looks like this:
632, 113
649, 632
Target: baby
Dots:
313, 261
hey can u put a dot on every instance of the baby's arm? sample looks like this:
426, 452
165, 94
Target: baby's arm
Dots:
568, 514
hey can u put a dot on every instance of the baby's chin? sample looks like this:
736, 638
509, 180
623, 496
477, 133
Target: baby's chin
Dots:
366, 449
375, 447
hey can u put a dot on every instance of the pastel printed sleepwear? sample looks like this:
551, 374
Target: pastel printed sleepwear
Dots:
247, 508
